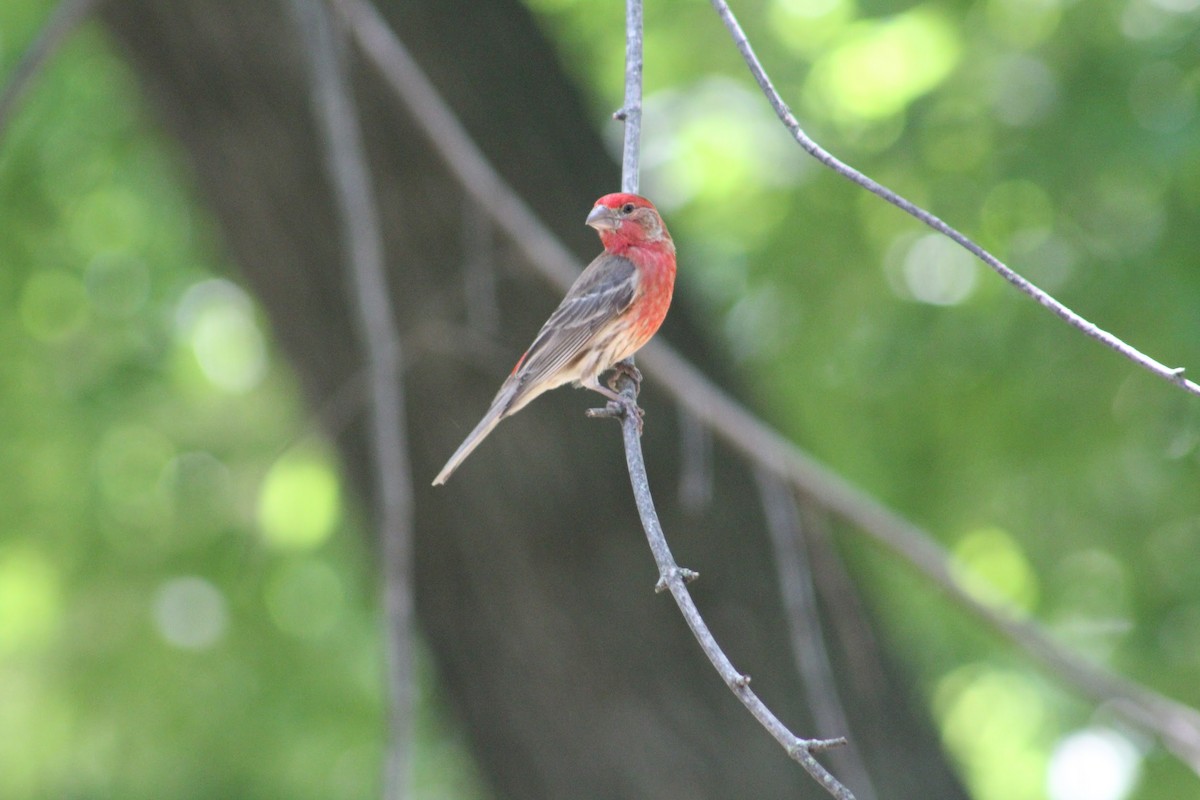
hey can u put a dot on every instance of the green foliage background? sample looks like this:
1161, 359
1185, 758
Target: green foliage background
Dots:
186, 609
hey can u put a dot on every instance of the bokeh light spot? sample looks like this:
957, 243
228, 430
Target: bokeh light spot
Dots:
190, 613
1179, 636
117, 285
53, 305
1023, 23
200, 489
1123, 214
1023, 90
299, 503
30, 600
1162, 97
957, 139
1092, 610
713, 142
994, 722
1093, 764
305, 598
130, 464
807, 25
879, 67
809, 9
931, 269
217, 320
991, 566
752, 325
1017, 208
110, 219
1177, 6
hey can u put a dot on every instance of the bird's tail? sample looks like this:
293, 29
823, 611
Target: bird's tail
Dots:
491, 419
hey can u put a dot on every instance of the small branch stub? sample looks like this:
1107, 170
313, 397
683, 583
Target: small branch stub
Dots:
815, 745
624, 113
682, 573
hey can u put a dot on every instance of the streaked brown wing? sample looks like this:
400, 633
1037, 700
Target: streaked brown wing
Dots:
602, 292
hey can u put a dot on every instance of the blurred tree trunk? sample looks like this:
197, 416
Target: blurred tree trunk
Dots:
572, 678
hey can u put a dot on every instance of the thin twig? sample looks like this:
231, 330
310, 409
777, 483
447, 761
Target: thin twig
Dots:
1171, 374
804, 622
63, 21
358, 216
631, 111
670, 575
675, 579
1177, 725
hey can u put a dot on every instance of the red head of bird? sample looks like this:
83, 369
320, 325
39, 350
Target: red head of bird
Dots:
627, 220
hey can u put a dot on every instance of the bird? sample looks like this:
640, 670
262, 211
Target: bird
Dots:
611, 310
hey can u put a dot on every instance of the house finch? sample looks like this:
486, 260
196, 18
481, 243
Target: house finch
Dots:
612, 309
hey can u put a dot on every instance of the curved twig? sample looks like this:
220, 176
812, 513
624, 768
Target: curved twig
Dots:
1171, 374
671, 576
674, 579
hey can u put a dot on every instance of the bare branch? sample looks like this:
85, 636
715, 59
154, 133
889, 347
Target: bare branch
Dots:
63, 21
345, 160
804, 622
675, 579
1177, 725
1171, 374
670, 575
631, 112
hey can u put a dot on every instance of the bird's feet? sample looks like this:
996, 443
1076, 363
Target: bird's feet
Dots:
625, 369
630, 408
619, 404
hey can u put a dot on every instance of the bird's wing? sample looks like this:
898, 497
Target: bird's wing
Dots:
601, 293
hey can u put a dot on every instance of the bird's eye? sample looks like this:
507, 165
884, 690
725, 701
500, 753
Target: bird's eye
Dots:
627, 208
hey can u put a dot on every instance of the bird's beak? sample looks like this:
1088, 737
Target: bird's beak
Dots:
603, 218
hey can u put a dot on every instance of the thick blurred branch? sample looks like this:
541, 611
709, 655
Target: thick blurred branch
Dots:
345, 160
1172, 374
63, 21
